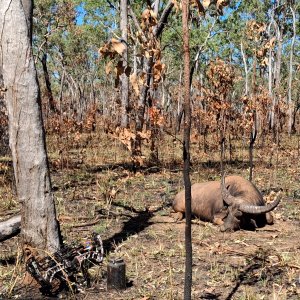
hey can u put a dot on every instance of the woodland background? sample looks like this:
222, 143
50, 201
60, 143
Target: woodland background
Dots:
112, 110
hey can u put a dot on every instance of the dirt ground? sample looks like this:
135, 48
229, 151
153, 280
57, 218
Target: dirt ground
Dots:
131, 211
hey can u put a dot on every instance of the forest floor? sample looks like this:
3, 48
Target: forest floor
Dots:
96, 188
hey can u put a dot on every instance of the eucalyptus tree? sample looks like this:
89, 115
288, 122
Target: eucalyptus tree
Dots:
26, 134
186, 153
67, 35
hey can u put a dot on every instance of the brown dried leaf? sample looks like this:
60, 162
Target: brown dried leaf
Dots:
105, 51
148, 18
119, 68
117, 46
177, 6
206, 3
134, 82
138, 160
125, 136
264, 62
144, 134
108, 67
222, 3
147, 54
158, 69
112, 48
271, 43
142, 78
197, 3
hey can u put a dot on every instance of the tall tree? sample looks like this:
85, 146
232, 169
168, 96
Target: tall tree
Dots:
27, 139
290, 104
124, 78
186, 152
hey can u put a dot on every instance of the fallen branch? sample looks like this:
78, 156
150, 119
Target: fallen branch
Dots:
10, 228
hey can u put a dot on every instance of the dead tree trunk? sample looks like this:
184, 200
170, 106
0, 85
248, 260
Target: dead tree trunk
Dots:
186, 152
142, 101
27, 139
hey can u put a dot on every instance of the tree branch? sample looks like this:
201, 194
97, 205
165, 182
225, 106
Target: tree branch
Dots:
10, 228
163, 19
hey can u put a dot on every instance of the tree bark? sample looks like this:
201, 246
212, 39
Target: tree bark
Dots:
270, 74
148, 68
40, 228
124, 78
253, 133
186, 152
51, 102
246, 69
290, 78
148, 71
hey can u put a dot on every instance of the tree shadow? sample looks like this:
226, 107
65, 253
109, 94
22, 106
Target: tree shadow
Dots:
173, 166
8, 261
134, 225
210, 296
248, 275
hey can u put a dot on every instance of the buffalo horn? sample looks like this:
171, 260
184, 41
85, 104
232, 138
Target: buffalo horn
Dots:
256, 209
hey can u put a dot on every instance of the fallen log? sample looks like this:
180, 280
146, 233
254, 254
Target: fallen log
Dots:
10, 228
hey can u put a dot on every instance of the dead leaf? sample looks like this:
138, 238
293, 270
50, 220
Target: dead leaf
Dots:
265, 62
158, 70
108, 67
197, 3
105, 51
64, 218
148, 19
144, 134
220, 5
206, 3
117, 46
177, 6
142, 78
134, 82
147, 54
113, 193
270, 44
138, 160
112, 48
119, 68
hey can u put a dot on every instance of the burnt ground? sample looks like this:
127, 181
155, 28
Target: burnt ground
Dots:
131, 211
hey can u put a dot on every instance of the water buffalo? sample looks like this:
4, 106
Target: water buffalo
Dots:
235, 204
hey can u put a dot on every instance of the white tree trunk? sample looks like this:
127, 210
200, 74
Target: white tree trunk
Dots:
290, 78
246, 69
27, 140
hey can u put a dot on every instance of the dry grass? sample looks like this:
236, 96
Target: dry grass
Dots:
135, 223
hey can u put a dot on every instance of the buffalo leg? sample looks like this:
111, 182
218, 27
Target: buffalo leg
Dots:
178, 216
